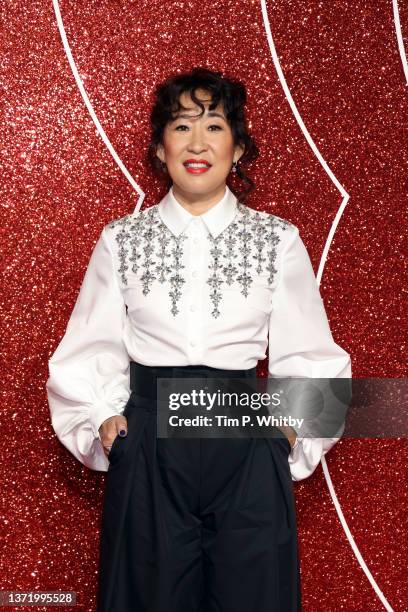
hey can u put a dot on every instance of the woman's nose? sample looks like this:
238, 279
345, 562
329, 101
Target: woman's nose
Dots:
197, 140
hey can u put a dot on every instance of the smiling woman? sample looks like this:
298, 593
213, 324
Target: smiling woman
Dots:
200, 118
197, 285
198, 152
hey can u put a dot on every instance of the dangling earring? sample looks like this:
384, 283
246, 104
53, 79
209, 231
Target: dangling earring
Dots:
234, 166
164, 167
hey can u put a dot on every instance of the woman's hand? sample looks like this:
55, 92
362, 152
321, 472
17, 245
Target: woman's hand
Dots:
289, 432
110, 428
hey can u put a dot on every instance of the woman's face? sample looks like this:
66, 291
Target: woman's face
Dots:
207, 138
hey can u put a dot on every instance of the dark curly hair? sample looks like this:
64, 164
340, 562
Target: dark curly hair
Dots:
230, 92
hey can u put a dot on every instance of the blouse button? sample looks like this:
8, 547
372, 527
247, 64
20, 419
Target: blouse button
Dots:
192, 343
192, 308
194, 273
195, 240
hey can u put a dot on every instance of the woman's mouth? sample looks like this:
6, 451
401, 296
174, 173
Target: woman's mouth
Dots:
196, 167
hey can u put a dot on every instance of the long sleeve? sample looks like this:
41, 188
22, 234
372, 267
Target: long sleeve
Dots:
301, 343
89, 371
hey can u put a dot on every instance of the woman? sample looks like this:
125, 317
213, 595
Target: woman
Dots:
191, 287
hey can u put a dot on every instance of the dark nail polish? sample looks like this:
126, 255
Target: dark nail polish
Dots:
122, 432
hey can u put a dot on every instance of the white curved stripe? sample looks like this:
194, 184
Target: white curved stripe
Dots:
400, 39
91, 110
322, 263
309, 139
350, 537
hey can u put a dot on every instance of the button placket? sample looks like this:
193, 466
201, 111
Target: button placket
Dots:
195, 265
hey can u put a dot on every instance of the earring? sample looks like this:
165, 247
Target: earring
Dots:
234, 166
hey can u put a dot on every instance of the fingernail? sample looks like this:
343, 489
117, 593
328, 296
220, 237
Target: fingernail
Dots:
122, 432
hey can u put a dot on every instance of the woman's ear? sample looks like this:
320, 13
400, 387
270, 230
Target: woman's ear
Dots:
160, 153
238, 152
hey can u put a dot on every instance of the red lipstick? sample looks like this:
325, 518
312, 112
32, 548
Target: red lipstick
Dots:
196, 166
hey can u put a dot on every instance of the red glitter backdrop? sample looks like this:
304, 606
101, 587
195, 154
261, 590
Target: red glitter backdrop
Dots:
345, 72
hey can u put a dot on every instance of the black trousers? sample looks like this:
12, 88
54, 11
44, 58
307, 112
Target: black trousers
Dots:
196, 525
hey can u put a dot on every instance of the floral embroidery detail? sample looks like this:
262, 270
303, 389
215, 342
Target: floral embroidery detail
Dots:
272, 239
215, 281
135, 256
147, 230
149, 234
259, 240
163, 269
176, 280
122, 239
230, 270
246, 246
245, 278
248, 229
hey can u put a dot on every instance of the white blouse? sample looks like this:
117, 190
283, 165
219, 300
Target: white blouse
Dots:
166, 288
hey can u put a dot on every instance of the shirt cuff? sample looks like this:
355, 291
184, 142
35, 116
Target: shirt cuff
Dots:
98, 414
297, 442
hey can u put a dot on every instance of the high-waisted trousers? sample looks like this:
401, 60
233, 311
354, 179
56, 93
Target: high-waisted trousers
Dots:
195, 524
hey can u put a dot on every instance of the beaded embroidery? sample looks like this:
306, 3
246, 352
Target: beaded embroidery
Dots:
147, 244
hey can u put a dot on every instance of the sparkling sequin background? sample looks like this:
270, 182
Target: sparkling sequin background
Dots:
60, 186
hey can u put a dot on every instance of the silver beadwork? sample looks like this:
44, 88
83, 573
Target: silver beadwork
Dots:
215, 281
176, 279
237, 254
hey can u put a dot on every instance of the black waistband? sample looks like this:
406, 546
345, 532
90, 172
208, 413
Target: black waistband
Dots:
143, 379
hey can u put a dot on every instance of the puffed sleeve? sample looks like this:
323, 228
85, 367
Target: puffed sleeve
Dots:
89, 371
301, 343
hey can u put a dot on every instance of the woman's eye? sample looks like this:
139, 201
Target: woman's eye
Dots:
218, 127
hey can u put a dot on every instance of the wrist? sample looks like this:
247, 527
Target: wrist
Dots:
289, 432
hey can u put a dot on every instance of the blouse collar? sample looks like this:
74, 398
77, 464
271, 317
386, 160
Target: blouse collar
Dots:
217, 218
